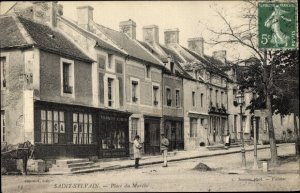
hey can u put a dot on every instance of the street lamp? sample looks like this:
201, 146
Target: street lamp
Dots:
255, 165
240, 101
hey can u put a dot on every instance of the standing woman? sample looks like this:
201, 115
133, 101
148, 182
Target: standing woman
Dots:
137, 150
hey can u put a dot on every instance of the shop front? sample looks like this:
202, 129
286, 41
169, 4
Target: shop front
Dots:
113, 137
174, 132
152, 135
70, 131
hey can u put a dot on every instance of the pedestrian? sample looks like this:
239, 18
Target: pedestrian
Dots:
227, 141
137, 150
164, 148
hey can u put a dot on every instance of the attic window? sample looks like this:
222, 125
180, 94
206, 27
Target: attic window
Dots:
51, 36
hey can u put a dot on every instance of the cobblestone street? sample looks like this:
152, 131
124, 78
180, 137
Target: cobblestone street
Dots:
179, 176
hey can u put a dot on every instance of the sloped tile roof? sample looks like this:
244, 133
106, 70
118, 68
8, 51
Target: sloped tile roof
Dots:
10, 35
172, 53
50, 40
207, 64
101, 43
130, 46
43, 37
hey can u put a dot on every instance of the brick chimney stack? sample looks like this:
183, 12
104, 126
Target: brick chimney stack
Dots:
85, 16
151, 34
129, 28
171, 36
196, 45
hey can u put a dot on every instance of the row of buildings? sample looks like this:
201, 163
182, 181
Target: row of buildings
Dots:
80, 89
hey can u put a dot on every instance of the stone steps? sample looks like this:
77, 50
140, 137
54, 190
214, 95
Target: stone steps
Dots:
72, 166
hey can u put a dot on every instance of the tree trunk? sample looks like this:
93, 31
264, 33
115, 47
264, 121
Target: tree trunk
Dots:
272, 139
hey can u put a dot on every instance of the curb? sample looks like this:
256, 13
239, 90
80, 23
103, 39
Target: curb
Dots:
180, 159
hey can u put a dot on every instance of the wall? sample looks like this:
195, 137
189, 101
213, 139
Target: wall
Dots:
174, 83
12, 98
50, 81
196, 111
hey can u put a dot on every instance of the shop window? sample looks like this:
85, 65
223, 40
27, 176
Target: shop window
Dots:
3, 126
193, 127
168, 95
155, 95
134, 85
113, 134
134, 128
3, 72
82, 128
177, 98
110, 91
52, 127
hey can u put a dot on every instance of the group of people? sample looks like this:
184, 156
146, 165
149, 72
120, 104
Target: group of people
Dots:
164, 143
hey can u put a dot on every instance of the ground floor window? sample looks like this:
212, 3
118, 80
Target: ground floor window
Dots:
52, 127
134, 128
82, 128
113, 132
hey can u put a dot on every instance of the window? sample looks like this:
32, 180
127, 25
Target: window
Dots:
201, 99
202, 122
193, 98
82, 128
101, 61
217, 98
281, 119
109, 63
222, 95
134, 127
155, 95
235, 123
52, 127
193, 127
210, 95
148, 72
266, 128
172, 67
3, 72
67, 88
110, 91
134, 85
177, 99
244, 123
168, 95
3, 126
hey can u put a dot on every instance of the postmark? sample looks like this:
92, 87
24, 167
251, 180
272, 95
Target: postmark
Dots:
277, 25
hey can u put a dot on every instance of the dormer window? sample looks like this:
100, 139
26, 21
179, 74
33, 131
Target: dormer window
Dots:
172, 67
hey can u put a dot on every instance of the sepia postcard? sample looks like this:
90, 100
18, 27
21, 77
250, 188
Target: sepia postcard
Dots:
149, 96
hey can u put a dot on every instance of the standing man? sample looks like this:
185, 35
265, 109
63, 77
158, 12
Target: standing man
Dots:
164, 148
137, 150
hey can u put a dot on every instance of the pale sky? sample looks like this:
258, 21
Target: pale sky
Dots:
189, 16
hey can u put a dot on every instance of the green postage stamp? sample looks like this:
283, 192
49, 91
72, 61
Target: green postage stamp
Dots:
277, 25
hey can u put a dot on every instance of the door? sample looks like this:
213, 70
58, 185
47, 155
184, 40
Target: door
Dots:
152, 136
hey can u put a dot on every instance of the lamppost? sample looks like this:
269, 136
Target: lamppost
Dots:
240, 101
255, 165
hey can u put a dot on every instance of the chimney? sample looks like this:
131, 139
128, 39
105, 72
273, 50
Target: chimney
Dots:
171, 36
45, 12
151, 34
129, 28
196, 45
84, 16
220, 55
